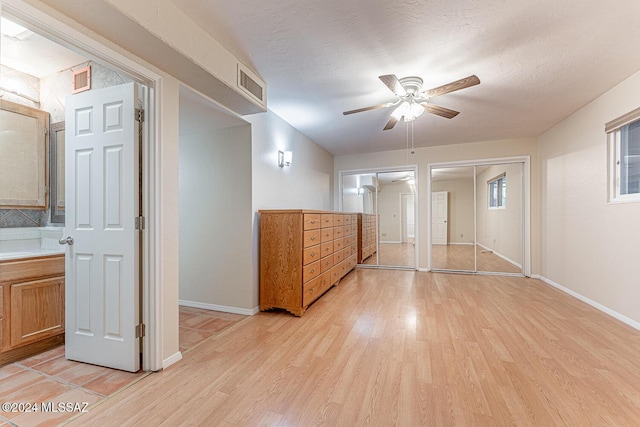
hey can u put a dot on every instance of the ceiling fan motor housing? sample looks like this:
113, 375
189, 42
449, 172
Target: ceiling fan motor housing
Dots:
412, 84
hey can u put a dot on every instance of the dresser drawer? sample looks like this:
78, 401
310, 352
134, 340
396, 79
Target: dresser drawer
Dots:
311, 254
337, 272
338, 244
326, 235
338, 232
346, 219
348, 241
311, 238
326, 248
311, 291
338, 256
338, 220
327, 220
314, 288
310, 271
326, 263
311, 221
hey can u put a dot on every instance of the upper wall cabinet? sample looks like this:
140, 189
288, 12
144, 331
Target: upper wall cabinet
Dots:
23, 156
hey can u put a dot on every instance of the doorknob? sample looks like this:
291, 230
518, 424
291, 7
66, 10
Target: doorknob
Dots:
67, 241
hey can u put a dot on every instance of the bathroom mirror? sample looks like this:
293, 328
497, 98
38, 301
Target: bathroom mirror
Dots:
23, 156
56, 150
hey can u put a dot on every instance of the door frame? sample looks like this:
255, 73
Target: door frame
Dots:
413, 168
73, 39
526, 208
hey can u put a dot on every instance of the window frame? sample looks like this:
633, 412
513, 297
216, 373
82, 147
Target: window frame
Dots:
500, 183
613, 130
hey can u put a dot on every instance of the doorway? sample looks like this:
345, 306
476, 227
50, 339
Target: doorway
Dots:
386, 198
479, 217
48, 31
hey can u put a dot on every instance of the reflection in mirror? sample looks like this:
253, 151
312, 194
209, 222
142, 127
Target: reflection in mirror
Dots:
386, 201
477, 218
57, 172
499, 217
396, 222
452, 219
23, 147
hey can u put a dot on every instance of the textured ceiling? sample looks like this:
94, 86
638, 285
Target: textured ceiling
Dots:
539, 61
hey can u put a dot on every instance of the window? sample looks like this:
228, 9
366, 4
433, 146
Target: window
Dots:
624, 157
498, 192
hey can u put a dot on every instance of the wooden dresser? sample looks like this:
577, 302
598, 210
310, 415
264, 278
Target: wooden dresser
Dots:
302, 254
366, 236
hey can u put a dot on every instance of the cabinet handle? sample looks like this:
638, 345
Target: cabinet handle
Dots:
313, 271
312, 254
313, 238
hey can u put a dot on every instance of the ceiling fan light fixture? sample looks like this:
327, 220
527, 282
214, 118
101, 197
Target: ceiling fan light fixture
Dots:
415, 110
402, 110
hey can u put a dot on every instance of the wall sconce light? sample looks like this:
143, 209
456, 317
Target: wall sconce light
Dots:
284, 158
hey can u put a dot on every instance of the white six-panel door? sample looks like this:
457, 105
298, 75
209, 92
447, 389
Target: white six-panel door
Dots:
439, 213
102, 294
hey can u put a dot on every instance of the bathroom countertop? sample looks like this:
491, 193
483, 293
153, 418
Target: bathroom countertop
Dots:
5, 256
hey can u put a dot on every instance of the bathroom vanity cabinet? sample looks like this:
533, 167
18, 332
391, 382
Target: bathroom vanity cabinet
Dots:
31, 306
303, 253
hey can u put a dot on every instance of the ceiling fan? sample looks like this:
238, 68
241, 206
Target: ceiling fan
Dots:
412, 100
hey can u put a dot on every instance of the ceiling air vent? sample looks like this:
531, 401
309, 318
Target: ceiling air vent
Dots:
252, 85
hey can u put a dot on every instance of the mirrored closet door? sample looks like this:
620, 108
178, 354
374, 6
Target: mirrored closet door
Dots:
477, 218
386, 202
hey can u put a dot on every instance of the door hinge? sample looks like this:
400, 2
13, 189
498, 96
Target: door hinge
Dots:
140, 330
140, 223
139, 115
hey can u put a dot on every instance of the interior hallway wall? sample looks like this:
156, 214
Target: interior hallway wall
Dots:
215, 219
306, 184
588, 245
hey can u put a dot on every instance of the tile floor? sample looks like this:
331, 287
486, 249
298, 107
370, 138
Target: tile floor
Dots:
49, 377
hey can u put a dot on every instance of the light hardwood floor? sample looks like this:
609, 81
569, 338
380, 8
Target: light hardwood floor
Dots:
393, 254
390, 347
460, 257
50, 377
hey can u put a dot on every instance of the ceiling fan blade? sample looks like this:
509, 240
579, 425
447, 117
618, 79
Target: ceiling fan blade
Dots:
392, 82
440, 111
391, 123
453, 86
360, 110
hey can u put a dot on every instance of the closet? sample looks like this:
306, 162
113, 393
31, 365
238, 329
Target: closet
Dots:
478, 217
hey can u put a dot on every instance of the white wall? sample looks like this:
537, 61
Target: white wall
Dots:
460, 206
588, 245
449, 153
215, 218
306, 184
501, 229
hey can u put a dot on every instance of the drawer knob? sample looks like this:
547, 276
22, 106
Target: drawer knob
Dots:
313, 238
313, 254
313, 271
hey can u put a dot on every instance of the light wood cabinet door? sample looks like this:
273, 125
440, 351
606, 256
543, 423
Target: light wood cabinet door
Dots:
37, 310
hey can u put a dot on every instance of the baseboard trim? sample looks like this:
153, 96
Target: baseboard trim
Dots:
390, 241
223, 308
621, 317
171, 360
423, 270
460, 243
499, 255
